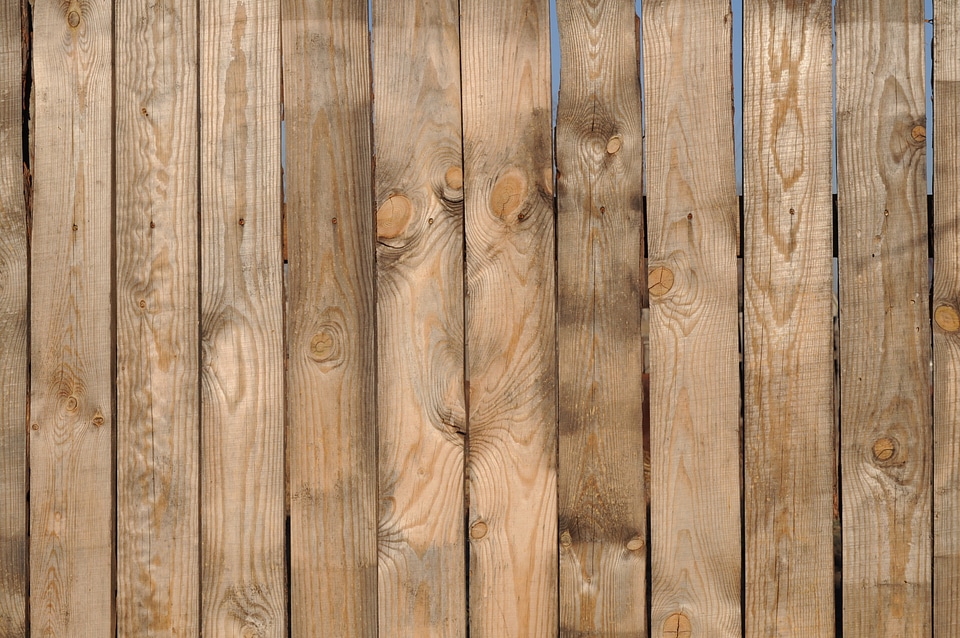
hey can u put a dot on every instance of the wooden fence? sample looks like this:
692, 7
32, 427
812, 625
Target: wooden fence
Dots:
328, 396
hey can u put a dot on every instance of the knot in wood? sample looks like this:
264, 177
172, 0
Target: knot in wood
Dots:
947, 318
454, 178
677, 626
508, 194
919, 134
884, 449
478, 530
635, 544
565, 539
660, 281
614, 144
323, 346
73, 19
394, 216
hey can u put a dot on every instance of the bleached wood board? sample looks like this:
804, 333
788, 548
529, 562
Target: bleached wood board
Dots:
158, 357
694, 360
946, 319
420, 391
13, 333
243, 552
788, 319
510, 317
602, 515
71, 323
331, 327
884, 319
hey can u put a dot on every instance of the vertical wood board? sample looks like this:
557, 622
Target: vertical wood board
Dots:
72, 339
602, 517
420, 391
13, 333
946, 319
241, 322
510, 316
331, 322
884, 320
694, 376
788, 319
158, 410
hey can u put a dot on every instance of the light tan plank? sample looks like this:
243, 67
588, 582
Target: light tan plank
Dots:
13, 333
420, 394
946, 328
599, 254
788, 319
331, 329
158, 411
511, 325
71, 345
241, 321
884, 319
694, 375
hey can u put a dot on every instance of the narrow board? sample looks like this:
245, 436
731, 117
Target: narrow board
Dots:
694, 360
243, 556
331, 404
420, 394
885, 322
602, 517
13, 333
946, 318
788, 319
71, 342
158, 404
510, 315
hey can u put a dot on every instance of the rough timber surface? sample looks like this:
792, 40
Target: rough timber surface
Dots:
331, 403
694, 376
885, 322
602, 517
788, 319
158, 424
13, 333
71, 343
241, 322
511, 325
420, 392
946, 324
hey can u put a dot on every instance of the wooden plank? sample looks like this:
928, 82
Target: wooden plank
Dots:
331, 330
946, 329
158, 411
694, 368
420, 393
241, 322
71, 344
599, 255
788, 319
885, 321
511, 325
13, 333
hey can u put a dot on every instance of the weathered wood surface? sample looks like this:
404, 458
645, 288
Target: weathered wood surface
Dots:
510, 316
241, 322
420, 391
331, 327
885, 321
158, 411
788, 319
602, 516
13, 333
946, 319
71, 339
694, 376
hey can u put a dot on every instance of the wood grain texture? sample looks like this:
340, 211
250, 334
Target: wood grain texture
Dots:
946, 325
420, 392
884, 319
510, 314
13, 333
788, 319
694, 375
599, 255
71, 345
331, 322
158, 359
241, 322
